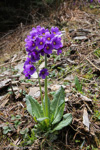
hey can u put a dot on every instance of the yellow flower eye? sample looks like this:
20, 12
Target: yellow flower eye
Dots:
48, 39
33, 44
47, 47
41, 43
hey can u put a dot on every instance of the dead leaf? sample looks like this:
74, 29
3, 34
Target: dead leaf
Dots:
86, 121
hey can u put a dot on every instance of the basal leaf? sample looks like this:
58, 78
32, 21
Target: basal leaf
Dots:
42, 119
64, 123
56, 103
59, 113
33, 107
66, 115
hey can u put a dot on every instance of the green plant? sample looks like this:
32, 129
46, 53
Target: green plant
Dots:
54, 113
16, 120
78, 85
6, 129
49, 114
97, 52
27, 139
97, 114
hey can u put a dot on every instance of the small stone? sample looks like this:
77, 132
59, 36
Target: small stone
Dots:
81, 38
34, 92
69, 78
35, 75
19, 67
66, 99
5, 83
37, 94
56, 87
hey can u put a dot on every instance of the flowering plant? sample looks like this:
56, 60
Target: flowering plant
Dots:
48, 114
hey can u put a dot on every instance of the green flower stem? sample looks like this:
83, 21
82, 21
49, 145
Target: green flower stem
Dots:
46, 97
41, 94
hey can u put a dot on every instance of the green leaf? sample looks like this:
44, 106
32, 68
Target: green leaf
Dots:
66, 115
6, 129
42, 119
64, 123
33, 107
24, 131
78, 84
56, 103
59, 113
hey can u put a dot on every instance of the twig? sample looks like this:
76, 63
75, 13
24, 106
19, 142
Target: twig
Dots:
11, 62
71, 71
92, 64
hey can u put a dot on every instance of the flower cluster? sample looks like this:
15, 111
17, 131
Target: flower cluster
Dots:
41, 41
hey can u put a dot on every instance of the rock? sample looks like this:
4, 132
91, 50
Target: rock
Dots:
69, 78
5, 83
34, 92
37, 94
34, 76
56, 87
66, 99
81, 38
19, 67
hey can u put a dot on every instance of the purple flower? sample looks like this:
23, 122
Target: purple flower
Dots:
29, 69
40, 42
38, 28
28, 61
55, 30
43, 73
31, 45
48, 48
28, 38
28, 76
91, 1
42, 31
48, 36
41, 52
59, 51
35, 55
33, 35
56, 42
